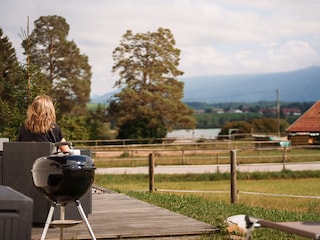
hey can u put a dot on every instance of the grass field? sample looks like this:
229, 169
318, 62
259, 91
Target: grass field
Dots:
200, 154
213, 208
206, 197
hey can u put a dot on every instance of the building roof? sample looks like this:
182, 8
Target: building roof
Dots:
308, 122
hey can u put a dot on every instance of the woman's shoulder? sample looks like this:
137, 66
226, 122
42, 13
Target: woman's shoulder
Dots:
56, 126
57, 132
22, 129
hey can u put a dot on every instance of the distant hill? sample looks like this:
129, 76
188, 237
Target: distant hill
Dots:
102, 98
296, 86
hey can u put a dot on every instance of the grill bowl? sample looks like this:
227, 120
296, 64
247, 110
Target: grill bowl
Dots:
63, 178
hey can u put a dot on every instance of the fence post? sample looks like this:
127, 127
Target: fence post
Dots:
151, 172
284, 158
183, 162
233, 176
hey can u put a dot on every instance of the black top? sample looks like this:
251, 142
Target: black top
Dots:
52, 136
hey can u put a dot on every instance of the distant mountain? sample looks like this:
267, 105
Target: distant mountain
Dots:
296, 86
102, 98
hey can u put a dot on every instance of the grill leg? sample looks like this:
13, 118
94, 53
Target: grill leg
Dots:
62, 217
84, 218
48, 221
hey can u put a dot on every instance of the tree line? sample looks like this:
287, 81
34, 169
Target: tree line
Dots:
147, 105
218, 114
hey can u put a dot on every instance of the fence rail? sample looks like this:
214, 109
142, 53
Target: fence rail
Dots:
234, 192
218, 153
202, 153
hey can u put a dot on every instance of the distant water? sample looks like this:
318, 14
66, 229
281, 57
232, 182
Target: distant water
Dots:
210, 133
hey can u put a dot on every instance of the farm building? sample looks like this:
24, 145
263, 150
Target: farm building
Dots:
306, 129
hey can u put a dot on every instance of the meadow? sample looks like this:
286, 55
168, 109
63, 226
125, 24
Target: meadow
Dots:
273, 196
206, 197
214, 152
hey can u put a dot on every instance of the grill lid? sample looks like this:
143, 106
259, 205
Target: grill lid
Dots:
73, 162
63, 178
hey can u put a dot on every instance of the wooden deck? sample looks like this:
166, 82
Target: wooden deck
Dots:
116, 216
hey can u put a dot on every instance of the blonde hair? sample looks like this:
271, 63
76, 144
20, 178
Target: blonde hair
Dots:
41, 115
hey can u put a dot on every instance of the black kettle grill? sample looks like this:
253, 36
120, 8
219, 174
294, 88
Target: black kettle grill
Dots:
63, 178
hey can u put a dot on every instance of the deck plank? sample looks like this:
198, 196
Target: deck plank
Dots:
116, 216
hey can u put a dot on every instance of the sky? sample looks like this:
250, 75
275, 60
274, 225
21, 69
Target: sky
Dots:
215, 36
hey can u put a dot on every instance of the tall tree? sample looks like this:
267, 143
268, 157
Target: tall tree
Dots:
149, 103
9, 66
12, 89
15, 89
68, 71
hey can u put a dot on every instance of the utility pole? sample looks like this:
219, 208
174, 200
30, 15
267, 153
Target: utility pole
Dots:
278, 111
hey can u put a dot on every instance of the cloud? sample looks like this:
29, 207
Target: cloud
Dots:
215, 37
293, 55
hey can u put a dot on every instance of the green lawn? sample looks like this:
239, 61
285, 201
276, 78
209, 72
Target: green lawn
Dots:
214, 208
